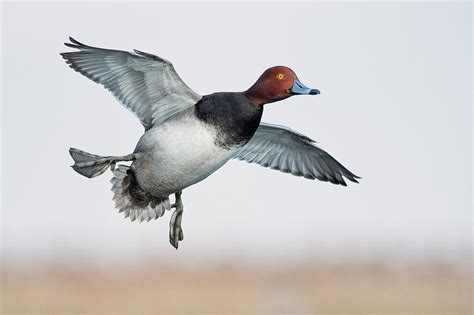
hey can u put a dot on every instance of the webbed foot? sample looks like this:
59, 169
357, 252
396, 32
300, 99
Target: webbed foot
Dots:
176, 232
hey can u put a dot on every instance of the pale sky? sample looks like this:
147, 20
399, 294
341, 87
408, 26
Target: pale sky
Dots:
395, 108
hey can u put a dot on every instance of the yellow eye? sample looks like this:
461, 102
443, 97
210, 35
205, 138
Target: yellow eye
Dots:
280, 76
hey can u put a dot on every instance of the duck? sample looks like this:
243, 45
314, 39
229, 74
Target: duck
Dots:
187, 136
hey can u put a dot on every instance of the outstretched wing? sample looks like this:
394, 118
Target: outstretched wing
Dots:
145, 84
283, 149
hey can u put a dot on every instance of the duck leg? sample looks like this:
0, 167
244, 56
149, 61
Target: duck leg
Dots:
176, 232
92, 165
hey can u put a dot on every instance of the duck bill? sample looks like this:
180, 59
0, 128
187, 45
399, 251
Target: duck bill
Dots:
299, 88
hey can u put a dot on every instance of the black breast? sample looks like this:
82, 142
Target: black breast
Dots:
233, 116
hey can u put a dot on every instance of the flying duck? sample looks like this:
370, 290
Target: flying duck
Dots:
188, 136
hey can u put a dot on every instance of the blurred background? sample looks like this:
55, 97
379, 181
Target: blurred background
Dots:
395, 109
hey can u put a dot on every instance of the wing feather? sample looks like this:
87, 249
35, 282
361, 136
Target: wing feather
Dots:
281, 148
145, 84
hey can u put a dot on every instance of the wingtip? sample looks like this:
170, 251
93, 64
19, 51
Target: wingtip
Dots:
355, 177
71, 40
67, 56
75, 44
71, 45
354, 180
75, 41
351, 176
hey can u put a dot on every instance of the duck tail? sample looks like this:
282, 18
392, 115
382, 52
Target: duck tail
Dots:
132, 201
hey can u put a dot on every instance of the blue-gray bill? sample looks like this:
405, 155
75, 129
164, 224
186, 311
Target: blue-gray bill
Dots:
299, 88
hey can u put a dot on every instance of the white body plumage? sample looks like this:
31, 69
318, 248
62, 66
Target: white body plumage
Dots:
178, 153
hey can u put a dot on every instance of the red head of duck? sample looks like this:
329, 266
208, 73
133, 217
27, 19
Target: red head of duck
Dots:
275, 84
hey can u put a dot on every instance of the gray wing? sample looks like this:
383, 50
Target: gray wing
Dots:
283, 149
145, 84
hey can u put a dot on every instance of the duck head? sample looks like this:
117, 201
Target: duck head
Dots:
275, 84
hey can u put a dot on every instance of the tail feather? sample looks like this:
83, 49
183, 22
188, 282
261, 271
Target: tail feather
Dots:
132, 200
89, 165
129, 197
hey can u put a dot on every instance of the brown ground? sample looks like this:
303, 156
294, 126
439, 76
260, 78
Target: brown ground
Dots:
316, 288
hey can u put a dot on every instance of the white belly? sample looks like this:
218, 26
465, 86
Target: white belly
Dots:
177, 154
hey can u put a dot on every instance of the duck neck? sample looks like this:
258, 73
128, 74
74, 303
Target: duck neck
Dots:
234, 117
255, 96
261, 93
